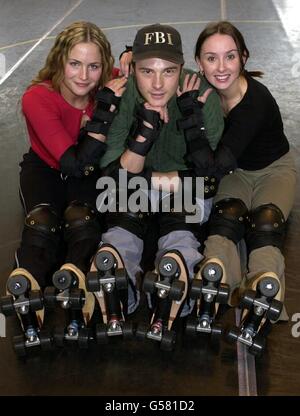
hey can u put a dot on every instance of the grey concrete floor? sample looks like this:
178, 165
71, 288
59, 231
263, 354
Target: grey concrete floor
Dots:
272, 34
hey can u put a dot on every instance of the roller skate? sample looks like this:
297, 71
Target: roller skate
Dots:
258, 308
209, 293
107, 279
169, 283
24, 298
70, 293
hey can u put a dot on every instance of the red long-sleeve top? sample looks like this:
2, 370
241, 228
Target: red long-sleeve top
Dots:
53, 124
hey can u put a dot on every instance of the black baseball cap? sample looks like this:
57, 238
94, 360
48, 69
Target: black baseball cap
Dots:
158, 41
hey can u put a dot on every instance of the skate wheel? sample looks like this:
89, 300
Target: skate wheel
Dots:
212, 272
121, 279
275, 310
196, 289
248, 299
50, 297
177, 290
128, 330
59, 336
223, 294
149, 282
76, 298
104, 261
92, 282
7, 305
258, 346
168, 340
168, 267
83, 338
101, 334
191, 326
62, 279
45, 340
268, 286
17, 285
233, 334
141, 331
35, 300
19, 345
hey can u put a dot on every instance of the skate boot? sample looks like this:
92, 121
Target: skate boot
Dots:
258, 308
209, 293
108, 281
24, 298
169, 283
70, 293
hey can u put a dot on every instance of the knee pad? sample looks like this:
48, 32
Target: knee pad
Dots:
170, 219
134, 222
81, 222
42, 225
228, 219
173, 221
266, 227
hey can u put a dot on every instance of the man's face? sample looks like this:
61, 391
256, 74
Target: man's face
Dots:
157, 80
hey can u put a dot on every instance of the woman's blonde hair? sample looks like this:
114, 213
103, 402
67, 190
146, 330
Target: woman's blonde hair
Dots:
73, 34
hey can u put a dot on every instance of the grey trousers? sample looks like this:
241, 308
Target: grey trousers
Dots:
131, 248
274, 184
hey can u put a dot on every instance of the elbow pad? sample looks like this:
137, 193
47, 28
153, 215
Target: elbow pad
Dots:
225, 162
201, 160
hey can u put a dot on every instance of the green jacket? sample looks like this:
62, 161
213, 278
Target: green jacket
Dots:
167, 153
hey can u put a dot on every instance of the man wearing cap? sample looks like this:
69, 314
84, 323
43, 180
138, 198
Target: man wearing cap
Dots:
154, 135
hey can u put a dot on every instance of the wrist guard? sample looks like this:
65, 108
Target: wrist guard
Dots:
192, 122
139, 129
103, 117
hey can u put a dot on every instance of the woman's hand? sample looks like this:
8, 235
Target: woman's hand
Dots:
118, 87
125, 64
192, 83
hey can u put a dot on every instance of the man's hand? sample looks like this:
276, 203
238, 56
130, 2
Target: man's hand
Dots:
163, 112
192, 83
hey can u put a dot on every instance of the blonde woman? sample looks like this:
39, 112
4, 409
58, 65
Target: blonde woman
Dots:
68, 109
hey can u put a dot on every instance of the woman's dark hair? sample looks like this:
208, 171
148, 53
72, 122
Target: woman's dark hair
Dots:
226, 28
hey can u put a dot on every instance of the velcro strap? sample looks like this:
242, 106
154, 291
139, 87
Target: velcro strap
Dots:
107, 96
187, 101
196, 134
97, 127
102, 115
141, 148
150, 116
150, 134
188, 122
